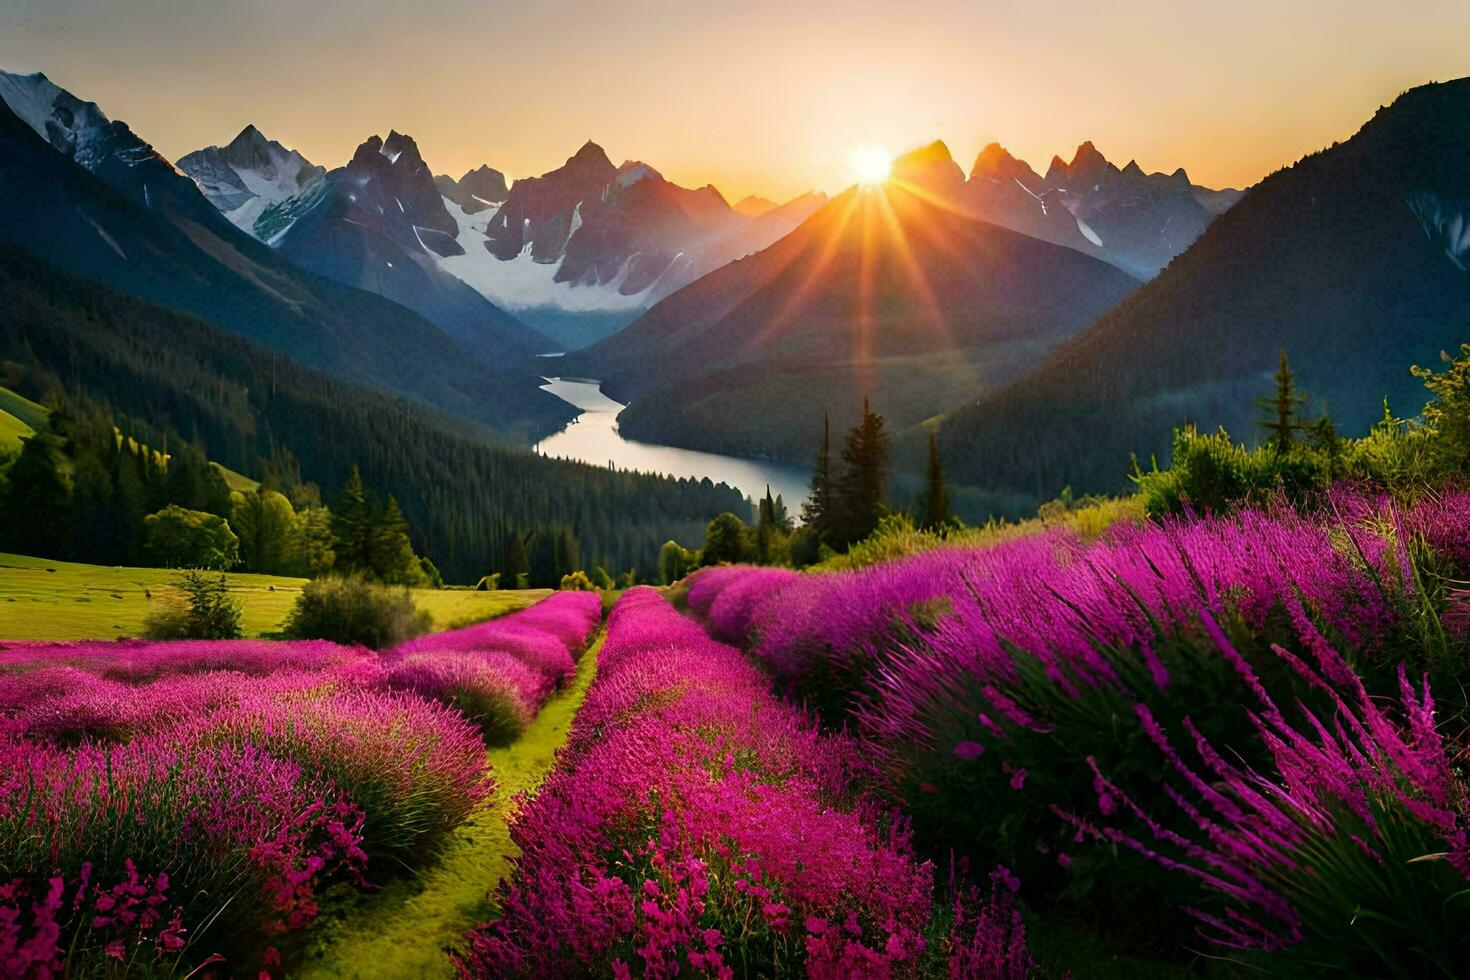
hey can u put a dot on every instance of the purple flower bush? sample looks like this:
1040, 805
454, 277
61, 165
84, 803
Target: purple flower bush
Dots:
163, 803
500, 673
696, 824
993, 687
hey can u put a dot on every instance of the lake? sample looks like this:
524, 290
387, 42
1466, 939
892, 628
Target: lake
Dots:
593, 437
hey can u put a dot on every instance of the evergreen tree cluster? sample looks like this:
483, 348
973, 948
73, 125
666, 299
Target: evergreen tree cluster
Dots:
846, 506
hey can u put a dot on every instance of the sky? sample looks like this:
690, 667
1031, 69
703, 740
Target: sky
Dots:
761, 96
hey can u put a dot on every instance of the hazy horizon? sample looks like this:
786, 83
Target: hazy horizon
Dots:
768, 100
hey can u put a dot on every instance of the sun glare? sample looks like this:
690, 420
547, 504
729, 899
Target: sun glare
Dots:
870, 164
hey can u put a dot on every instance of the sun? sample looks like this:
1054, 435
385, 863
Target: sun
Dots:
870, 164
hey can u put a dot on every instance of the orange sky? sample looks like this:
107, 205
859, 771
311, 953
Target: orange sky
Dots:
764, 97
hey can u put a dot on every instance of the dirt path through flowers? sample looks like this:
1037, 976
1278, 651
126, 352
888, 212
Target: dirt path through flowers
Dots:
405, 929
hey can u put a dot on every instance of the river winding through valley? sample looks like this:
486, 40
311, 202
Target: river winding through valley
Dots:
593, 437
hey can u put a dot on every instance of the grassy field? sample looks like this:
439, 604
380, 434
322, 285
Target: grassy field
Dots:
19, 418
405, 929
57, 600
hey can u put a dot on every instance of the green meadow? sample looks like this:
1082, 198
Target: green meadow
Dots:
42, 599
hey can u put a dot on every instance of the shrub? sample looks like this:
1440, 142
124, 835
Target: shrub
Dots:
350, 610
206, 611
176, 537
577, 582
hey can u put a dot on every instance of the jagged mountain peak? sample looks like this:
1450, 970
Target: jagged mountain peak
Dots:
1087, 160
930, 167
590, 155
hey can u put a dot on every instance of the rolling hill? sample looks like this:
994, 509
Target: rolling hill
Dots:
1354, 259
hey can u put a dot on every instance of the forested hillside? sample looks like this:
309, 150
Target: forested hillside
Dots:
160, 371
1353, 259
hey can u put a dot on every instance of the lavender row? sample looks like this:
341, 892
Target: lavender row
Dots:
696, 824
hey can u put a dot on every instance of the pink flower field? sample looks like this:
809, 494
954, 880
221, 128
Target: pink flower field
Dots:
169, 805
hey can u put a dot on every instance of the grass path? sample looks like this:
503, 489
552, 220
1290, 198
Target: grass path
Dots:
405, 929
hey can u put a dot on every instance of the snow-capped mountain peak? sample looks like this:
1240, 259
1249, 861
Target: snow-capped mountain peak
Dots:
256, 182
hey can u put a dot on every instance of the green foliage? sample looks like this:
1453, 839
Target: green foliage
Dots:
577, 582
806, 547
516, 566
314, 527
370, 537
601, 579
1447, 416
551, 553
269, 532
674, 562
353, 610
179, 538
772, 539
726, 539
35, 508
488, 583
1282, 408
818, 512
207, 611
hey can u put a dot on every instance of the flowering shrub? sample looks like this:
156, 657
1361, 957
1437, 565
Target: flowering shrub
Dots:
234, 843
500, 673
695, 823
1349, 852
982, 681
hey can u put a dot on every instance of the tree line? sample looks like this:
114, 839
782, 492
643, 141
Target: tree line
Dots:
849, 502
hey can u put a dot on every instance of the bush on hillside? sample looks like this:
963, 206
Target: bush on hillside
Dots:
350, 610
205, 611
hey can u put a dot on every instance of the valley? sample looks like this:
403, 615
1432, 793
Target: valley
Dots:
787, 552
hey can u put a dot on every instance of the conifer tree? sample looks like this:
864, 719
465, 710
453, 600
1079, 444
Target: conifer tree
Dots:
1282, 407
352, 526
514, 566
934, 505
390, 553
861, 492
816, 512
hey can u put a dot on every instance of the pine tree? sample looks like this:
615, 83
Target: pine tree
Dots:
1281, 408
390, 553
859, 500
352, 526
934, 505
816, 512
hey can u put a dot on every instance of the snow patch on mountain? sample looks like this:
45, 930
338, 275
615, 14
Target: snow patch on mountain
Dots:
522, 283
1448, 226
258, 184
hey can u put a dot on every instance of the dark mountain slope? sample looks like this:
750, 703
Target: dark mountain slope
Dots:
879, 292
1354, 259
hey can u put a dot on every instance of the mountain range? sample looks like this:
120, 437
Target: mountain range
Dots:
88, 195
1134, 220
1353, 260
